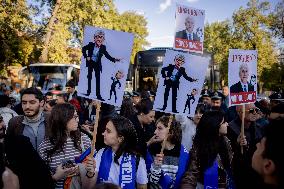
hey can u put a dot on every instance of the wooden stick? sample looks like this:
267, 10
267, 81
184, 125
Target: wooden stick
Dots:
243, 126
98, 109
169, 127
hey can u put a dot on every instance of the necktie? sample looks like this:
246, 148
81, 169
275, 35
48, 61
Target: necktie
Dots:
245, 88
189, 36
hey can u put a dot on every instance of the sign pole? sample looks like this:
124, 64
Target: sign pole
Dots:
98, 108
243, 126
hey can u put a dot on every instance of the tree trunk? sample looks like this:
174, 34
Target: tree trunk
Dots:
44, 53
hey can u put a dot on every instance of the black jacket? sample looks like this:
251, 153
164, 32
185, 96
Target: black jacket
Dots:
237, 87
168, 72
88, 52
183, 35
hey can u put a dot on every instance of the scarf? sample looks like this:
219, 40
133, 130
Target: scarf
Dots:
211, 177
165, 180
127, 176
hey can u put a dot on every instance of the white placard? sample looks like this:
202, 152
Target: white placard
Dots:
105, 63
180, 86
189, 31
242, 73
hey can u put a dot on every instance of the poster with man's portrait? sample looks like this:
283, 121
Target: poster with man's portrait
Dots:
180, 82
242, 75
189, 31
105, 62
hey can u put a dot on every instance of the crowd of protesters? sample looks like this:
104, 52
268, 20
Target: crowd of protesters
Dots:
43, 135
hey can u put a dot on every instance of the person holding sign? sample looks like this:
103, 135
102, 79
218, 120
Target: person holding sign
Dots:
93, 53
211, 155
188, 33
119, 163
166, 168
243, 85
243, 173
172, 74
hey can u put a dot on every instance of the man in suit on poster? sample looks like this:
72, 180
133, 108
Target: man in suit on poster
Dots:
243, 85
188, 33
172, 74
93, 53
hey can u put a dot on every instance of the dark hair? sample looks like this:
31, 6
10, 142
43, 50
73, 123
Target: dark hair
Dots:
279, 108
144, 94
4, 100
59, 117
207, 139
144, 106
127, 109
273, 145
124, 128
71, 84
52, 103
175, 133
32, 90
48, 94
107, 186
201, 108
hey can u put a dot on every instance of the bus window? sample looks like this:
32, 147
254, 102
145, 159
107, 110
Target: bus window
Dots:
48, 77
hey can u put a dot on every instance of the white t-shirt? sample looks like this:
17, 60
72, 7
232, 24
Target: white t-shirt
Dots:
141, 174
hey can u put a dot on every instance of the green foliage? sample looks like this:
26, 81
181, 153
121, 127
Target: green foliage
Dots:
277, 20
248, 30
137, 24
23, 39
16, 34
218, 40
74, 15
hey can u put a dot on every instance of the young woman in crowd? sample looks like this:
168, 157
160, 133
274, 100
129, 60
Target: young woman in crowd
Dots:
210, 156
119, 163
166, 169
127, 109
49, 105
143, 122
63, 144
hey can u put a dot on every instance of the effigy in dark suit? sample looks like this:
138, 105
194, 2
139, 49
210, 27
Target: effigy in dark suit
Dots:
93, 53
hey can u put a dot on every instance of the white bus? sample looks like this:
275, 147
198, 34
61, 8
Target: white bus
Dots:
49, 76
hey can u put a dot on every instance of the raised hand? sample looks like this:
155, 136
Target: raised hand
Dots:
90, 164
158, 161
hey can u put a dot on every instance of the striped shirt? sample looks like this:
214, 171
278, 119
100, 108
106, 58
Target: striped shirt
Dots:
69, 152
169, 166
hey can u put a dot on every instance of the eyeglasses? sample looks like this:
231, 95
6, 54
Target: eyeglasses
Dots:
75, 116
99, 36
252, 110
180, 60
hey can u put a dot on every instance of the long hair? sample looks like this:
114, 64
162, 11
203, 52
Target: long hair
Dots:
145, 106
207, 139
60, 115
125, 129
127, 109
175, 132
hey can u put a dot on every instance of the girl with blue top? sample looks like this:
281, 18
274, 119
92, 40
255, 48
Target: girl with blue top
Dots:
119, 163
211, 155
166, 169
